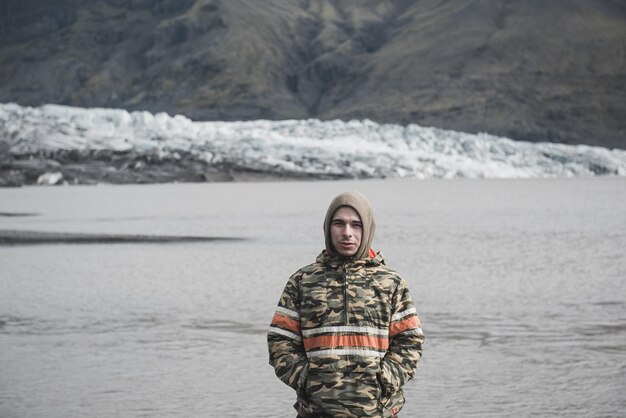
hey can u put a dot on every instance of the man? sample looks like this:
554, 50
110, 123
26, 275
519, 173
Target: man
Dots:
346, 335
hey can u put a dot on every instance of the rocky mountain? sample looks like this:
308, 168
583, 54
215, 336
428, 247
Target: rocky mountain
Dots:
551, 70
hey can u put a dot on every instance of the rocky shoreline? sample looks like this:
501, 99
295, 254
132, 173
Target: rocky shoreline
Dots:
114, 167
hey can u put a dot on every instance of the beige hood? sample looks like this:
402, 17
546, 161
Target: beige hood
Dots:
361, 205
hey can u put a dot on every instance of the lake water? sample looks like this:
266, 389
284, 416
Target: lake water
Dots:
520, 285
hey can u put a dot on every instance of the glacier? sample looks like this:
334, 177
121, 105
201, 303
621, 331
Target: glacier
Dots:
287, 148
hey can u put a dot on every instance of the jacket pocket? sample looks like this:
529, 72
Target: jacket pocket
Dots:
344, 394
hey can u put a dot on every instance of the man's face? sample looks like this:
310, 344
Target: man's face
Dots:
346, 231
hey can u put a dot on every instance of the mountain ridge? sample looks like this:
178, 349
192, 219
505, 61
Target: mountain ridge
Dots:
529, 70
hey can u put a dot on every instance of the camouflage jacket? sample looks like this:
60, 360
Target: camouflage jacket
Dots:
346, 337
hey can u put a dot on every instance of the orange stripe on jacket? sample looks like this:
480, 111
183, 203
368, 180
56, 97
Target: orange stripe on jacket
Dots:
401, 326
285, 322
346, 341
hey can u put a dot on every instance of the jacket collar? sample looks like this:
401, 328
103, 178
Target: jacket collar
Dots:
374, 259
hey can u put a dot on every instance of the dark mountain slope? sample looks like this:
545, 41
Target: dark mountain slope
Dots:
528, 69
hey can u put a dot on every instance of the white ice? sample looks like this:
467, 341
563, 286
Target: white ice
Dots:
360, 149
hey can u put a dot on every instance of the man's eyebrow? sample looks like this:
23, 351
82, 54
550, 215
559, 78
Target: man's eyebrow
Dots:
357, 221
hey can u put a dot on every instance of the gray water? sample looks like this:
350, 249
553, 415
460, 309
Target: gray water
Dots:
520, 285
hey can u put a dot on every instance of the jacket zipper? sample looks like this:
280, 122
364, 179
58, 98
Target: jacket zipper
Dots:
345, 294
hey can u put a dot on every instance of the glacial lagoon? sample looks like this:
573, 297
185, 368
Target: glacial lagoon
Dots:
520, 286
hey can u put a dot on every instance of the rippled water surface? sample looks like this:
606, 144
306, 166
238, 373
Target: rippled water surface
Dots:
520, 284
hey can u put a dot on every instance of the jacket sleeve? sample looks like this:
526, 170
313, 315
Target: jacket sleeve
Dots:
284, 338
405, 342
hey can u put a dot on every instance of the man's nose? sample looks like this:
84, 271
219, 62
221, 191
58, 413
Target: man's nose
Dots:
347, 231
